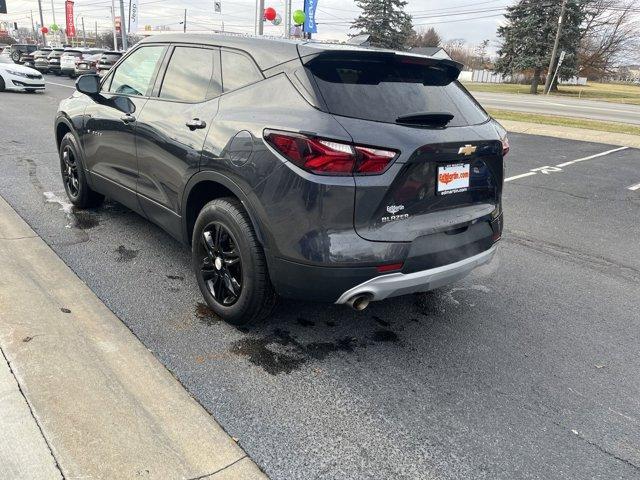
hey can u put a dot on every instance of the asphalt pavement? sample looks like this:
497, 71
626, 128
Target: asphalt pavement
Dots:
565, 106
526, 369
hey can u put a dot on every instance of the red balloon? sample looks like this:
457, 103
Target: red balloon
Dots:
44, 30
269, 13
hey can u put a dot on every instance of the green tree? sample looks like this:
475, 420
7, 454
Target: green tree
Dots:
385, 22
529, 33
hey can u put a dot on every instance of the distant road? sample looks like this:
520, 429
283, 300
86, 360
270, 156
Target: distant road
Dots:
566, 106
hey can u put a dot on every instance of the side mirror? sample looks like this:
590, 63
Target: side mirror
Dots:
88, 84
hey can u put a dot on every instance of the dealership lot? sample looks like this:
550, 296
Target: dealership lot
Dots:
523, 370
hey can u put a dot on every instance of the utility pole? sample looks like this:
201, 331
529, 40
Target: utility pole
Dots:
95, 44
33, 27
260, 17
84, 34
287, 19
554, 53
113, 24
123, 28
255, 20
184, 24
53, 12
44, 37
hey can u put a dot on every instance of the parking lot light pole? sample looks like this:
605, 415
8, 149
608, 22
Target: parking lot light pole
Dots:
113, 24
84, 34
123, 28
260, 17
44, 36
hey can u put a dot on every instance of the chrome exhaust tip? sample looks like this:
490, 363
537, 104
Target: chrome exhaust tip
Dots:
359, 302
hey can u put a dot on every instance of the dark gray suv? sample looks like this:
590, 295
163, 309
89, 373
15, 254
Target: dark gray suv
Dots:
323, 172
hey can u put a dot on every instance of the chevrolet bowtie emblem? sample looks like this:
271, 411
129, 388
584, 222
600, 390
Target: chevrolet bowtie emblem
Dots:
467, 150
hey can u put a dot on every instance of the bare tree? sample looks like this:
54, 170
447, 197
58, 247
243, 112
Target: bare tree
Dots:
610, 34
471, 56
426, 38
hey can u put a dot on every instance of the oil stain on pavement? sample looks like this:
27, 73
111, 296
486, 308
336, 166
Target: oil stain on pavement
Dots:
279, 352
125, 254
206, 315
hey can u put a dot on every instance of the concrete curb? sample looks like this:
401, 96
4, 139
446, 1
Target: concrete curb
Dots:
572, 133
107, 408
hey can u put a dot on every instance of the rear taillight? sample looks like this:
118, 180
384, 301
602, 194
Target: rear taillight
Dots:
505, 145
329, 157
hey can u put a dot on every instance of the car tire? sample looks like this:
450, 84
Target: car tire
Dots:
74, 177
2, 84
230, 265
15, 56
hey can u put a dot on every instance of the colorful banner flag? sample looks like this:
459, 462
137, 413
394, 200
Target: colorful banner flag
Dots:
310, 19
71, 28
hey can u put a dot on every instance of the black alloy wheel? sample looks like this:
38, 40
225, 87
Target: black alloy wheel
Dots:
70, 171
222, 265
229, 263
74, 178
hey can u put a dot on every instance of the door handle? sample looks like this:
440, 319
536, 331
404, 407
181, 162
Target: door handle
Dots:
128, 118
195, 124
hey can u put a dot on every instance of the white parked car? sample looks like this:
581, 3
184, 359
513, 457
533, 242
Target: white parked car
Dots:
19, 77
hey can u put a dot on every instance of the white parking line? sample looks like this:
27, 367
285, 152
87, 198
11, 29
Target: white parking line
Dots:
516, 177
61, 85
633, 188
592, 157
547, 169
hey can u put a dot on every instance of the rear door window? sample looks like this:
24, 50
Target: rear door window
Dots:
238, 70
190, 75
383, 90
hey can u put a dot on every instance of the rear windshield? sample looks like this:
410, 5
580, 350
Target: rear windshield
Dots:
383, 90
72, 54
111, 57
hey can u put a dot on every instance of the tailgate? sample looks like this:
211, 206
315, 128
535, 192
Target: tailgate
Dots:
436, 187
449, 169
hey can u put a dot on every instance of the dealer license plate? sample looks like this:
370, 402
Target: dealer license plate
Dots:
453, 178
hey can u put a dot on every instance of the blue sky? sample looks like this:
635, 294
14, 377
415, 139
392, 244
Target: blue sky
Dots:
465, 19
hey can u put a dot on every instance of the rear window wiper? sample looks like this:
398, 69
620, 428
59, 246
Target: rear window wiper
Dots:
426, 119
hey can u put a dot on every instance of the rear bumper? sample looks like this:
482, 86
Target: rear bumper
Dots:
396, 284
429, 262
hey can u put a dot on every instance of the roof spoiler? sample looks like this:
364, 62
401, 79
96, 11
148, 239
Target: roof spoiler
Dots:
449, 69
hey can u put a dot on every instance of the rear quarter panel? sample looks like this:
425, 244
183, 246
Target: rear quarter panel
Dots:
304, 217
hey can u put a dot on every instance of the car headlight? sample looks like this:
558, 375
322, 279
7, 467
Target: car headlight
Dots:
17, 74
